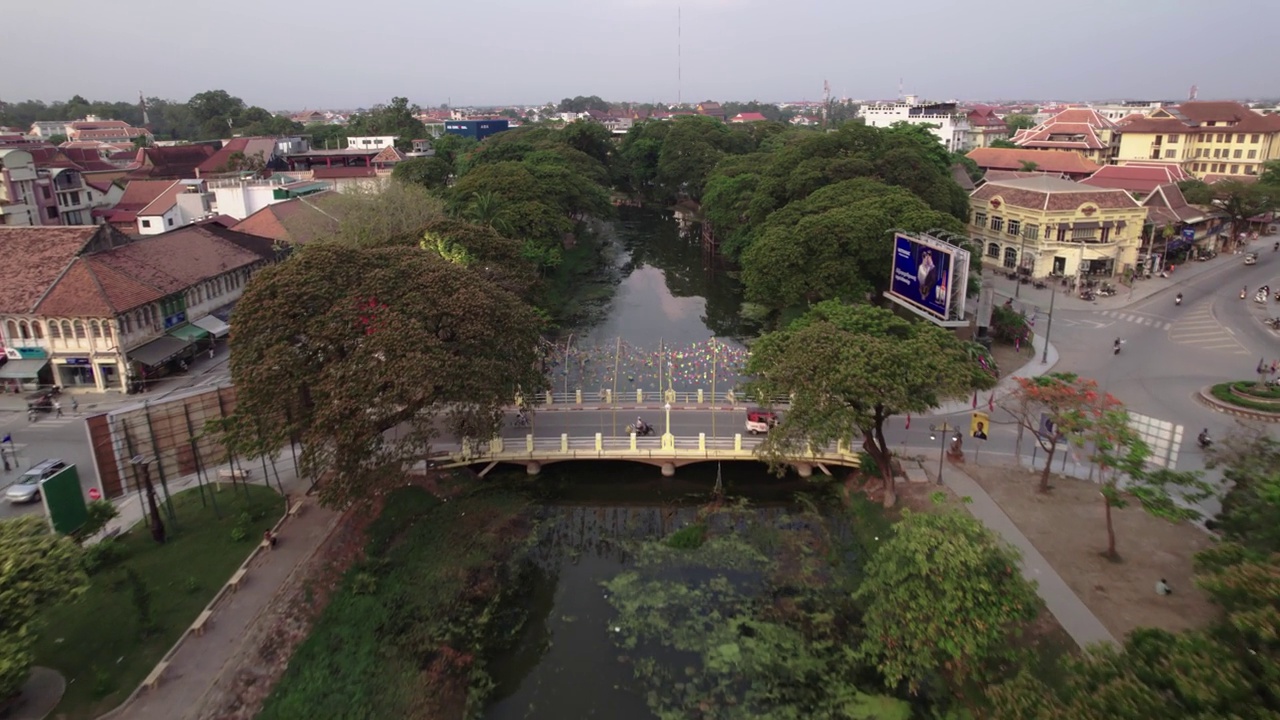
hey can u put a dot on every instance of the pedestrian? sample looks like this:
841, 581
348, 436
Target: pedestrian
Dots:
269, 538
57, 409
210, 352
1162, 588
75, 406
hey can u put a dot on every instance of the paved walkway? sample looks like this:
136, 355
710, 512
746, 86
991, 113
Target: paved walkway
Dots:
199, 661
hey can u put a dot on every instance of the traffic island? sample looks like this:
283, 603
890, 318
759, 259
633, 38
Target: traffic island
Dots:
1244, 398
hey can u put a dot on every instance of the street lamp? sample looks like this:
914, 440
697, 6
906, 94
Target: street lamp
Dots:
668, 440
940, 431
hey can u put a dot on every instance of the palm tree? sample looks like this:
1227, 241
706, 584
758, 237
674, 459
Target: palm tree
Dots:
486, 209
1168, 232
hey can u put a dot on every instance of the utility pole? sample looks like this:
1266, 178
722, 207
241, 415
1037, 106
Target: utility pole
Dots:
1048, 328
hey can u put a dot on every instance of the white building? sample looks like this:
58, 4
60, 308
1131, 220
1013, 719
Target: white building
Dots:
240, 198
48, 128
950, 125
186, 202
371, 142
1117, 111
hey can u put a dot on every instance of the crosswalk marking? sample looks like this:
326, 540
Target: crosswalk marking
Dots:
1199, 328
1135, 319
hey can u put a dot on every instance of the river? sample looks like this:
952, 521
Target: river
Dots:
674, 317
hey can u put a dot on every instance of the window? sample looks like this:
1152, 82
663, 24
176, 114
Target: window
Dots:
44, 190
1014, 227
1248, 170
146, 223
980, 219
52, 212
1219, 135
1255, 138
74, 198
66, 330
37, 329
1081, 233
1031, 232
170, 222
1253, 154
1217, 152
1170, 153
1239, 138
993, 250
1173, 138
24, 330
1010, 258
79, 326
53, 330
1235, 169
997, 224
95, 329
1236, 154
13, 330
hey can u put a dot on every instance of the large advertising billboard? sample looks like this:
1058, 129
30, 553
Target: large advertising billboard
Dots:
923, 270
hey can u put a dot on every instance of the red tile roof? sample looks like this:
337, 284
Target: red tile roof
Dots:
103, 180
165, 200
1072, 128
986, 117
749, 117
1166, 205
1052, 195
1194, 117
137, 195
1136, 178
87, 158
299, 220
45, 253
97, 125
1051, 161
248, 146
334, 173
174, 162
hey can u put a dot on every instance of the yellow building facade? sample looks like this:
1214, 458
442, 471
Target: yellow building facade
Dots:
1042, 226
1209, 140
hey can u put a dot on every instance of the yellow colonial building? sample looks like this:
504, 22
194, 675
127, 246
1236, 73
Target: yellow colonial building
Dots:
1209, 140
1046, 225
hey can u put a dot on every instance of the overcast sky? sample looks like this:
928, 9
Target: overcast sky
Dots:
339, 53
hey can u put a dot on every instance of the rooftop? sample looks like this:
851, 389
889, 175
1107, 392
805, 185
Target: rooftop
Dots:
45, 253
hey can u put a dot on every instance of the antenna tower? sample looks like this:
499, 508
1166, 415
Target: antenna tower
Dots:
679, 55
826, 102
1194, 91
901, 94
142, 103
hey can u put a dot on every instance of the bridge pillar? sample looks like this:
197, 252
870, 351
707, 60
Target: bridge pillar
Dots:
702, 440
842, 446
668, 441
633, 441
495, 445
804, 470
669, 396
533, 468
699, 396
639, 397
564, 442
599, 442
668, 469
528, 443
551, 399
608, 396
577, 396
737, 442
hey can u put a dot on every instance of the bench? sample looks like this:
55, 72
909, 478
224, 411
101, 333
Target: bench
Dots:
197, 627
234, 582
154, 678
295, 509
234, 474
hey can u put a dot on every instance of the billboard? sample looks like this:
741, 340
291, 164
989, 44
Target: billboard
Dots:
923, 269
64, 500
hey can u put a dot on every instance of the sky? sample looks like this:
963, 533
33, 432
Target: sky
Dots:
342, 54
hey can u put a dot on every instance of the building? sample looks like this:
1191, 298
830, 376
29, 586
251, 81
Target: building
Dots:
748, 117
371, 142
1082, 130
711, 109
1205, 138
241, 197
944, 120
31, 195
1049, 226
247, 155
48, 128
1073, 165
1115, 112
1139, 180
94, 308
476, 129
296, 221
174, 162
985, 127
1175, 228
183, 203
137, 196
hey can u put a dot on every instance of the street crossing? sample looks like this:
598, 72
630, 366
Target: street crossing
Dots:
1135, 318
1199, 328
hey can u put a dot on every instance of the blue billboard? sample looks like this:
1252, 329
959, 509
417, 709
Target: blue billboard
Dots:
922, 272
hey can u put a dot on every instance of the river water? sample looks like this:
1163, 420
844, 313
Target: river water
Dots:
674, 318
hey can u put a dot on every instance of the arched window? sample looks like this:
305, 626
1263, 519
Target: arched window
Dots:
54, 333
146, 316
1010, 258
24, 329
993, 250
139, 321
13, 330
66, 330
95, 329
37, 329
79, 326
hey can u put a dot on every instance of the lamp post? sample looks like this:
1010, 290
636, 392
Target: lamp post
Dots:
668, 440
940, 431
1044, 357
1022, 254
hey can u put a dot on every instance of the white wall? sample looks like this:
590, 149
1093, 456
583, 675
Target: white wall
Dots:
372, 142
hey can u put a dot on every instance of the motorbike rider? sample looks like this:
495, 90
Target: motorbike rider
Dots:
1177, 300
1244, 291
641, 427
1117, 345
1204, 439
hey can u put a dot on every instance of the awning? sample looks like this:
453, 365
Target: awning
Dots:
1086, 225
22, 369
159, 351
215, 326
190, 333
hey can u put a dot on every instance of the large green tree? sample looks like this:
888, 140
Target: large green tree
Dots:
1018, 121
367, 355
398, 118
848, 369
943, 596
39, 569
429, 172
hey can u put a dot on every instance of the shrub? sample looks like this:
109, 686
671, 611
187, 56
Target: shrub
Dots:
239, 533
688, 538
105, 554
1008, 325
100, 512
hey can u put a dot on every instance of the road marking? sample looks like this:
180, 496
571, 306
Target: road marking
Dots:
1134, 318
1201, 329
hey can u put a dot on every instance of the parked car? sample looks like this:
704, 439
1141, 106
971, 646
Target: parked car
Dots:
27, 487
760, 421
40, 402
1251, 259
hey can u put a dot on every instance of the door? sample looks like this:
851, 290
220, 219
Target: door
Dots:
1059, 266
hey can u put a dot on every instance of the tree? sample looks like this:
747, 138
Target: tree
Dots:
582, 104
690, 150
1054, 407
40, 569
214, 105
1122, 456
326, 137
398, 118
943, 595
848, 369
1006, 144
1270, 173
1196, 192
430, 172
1018, 121
1028, 166
1250, 514
361, 353
1240, 201
57, 139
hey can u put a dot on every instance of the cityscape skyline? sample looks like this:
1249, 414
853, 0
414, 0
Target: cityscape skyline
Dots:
656, 51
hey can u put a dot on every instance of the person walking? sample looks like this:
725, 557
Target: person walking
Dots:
57, 409
75, 406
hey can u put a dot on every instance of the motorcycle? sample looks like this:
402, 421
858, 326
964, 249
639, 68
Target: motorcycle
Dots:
1116, 350
1260, 297
1204, 441
1273, 323
642, 431
1178, 300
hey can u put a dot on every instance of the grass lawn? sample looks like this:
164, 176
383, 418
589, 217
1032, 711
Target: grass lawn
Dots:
97, 643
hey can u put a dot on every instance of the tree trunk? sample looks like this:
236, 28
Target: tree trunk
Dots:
873, 442
157, 525
1111, 531
1044, 474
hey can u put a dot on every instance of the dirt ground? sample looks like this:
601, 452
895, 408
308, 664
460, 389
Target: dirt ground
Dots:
1068, 527
1009, 361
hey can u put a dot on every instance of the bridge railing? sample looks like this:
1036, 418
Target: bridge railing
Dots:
566, 446
631, 398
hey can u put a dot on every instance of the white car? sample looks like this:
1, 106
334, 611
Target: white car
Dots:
1251, 259
27, 487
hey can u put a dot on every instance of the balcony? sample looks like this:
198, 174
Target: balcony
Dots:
67, 180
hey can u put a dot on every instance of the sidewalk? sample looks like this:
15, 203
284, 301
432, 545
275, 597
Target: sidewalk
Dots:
1033, 368
199, 661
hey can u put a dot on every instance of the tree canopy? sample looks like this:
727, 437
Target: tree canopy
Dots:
366, 355
398, 118
39, 569
848, 368
1018, 121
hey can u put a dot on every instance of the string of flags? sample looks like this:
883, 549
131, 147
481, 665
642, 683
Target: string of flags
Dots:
683, 365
